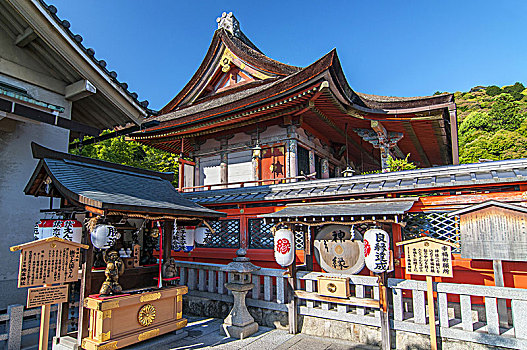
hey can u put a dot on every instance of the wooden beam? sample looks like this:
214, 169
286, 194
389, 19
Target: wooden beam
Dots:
452, 111
329, 122
26, 37
352, 301
79, 89
410, 132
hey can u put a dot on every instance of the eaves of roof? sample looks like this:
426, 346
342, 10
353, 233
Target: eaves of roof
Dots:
62, 28
415, 181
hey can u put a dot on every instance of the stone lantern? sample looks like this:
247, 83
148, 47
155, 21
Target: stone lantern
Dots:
239, 323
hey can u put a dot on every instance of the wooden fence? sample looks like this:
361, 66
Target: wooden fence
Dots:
463, 320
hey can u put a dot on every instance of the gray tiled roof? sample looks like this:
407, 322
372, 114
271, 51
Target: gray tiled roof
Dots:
346, 208
420, 180
115, 188
109, 186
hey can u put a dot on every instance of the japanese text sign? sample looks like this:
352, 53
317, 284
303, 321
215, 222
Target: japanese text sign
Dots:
428, 256
47, 295
48, 261
377, 250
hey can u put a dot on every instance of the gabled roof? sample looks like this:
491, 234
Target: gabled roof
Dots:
237, 49
491, 203
319, 94
109, 187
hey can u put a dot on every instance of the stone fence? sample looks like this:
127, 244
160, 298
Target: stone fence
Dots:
357, 317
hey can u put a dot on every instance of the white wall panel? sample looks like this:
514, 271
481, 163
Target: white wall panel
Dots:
240, 166
210, 170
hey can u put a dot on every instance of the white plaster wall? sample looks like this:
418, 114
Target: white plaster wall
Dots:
240, 166
210, 170
19, 212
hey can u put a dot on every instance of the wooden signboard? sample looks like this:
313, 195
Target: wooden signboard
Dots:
47, 295
428, 257
493, 231
48, 261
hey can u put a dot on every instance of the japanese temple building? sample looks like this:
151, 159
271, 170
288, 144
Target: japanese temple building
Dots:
264, 136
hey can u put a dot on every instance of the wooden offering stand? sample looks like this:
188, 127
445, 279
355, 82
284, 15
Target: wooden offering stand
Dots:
134, 316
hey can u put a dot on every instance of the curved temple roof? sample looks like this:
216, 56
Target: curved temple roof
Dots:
110, 187
237, 86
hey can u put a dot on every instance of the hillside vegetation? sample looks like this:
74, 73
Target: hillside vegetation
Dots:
492, 123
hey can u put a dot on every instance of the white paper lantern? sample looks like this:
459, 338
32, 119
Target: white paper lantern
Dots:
70, 230
284, 247
201, 234
377, 250
189, 238
104, 236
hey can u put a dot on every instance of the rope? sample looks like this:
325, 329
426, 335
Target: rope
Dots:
287, 223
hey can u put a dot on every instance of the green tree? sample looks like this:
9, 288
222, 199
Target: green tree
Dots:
121, 151
400, 164
493, 90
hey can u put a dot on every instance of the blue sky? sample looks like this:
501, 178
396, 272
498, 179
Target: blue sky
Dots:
395, 48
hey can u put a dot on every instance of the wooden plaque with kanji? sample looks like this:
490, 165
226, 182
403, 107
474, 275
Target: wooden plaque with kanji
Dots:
48, 261
428, 256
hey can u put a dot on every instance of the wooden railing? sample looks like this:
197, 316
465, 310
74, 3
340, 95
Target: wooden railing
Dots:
361, 307
207, 280
241, 184
464, 320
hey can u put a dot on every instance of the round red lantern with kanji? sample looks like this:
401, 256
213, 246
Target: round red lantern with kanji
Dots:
284, 247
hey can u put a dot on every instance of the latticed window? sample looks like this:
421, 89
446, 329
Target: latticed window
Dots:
299, 239
226, 234
436, 225
260, 236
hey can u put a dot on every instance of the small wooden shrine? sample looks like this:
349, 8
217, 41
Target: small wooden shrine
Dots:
129, 216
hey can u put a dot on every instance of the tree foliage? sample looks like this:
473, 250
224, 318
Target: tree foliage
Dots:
132, 153
400, 164
492, 123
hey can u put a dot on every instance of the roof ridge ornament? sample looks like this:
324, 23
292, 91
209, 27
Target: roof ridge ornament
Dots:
228, 22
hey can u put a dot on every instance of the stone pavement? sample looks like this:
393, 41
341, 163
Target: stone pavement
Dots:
203, 333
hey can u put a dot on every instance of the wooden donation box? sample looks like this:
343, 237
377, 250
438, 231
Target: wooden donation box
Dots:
334, 286
122, 320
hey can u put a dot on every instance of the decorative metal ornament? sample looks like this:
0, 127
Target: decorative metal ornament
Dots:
146, 315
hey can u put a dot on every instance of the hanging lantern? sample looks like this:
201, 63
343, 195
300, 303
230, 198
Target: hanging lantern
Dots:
189, 238
201, 234
377, 250
70, 230
104, 236
43, 229
284, 247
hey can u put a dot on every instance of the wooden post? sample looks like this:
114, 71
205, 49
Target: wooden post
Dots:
86, 289
292, 306
503, 315
44, 326
308, 249
431, 312
384, 314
